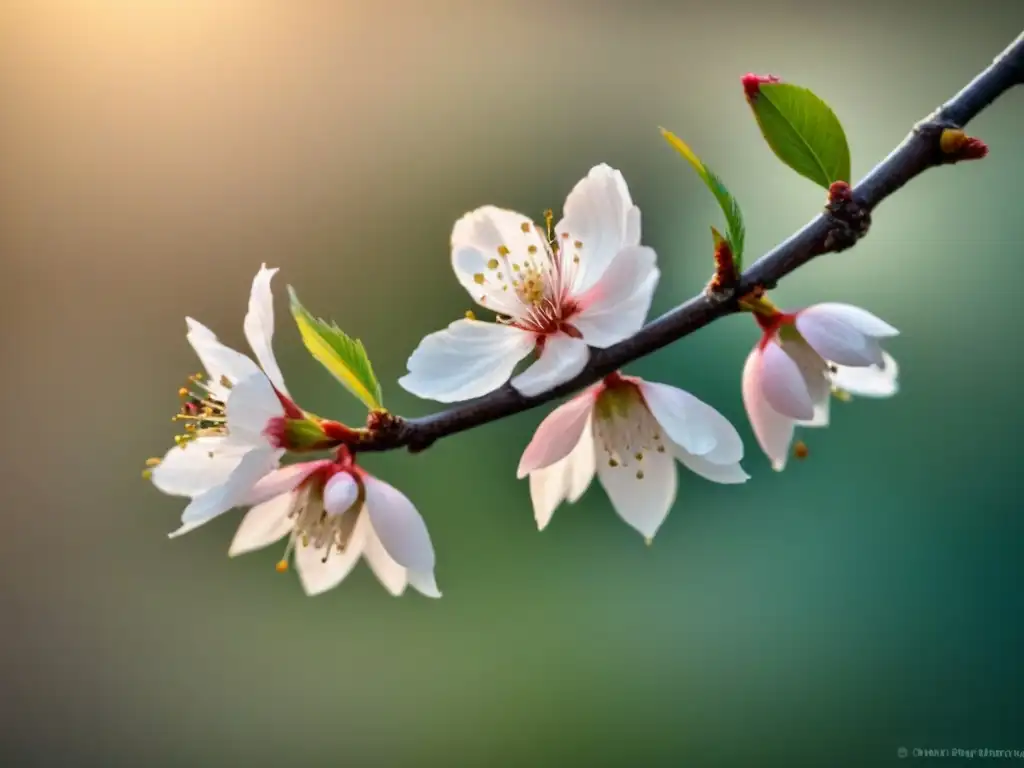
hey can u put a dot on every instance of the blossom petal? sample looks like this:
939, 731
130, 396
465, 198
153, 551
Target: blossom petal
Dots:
232, 493
424, 583
389, 573
774, 432
834, 340
220, 362
727, 473
562, 358
319, 575
855, 317
485, 244
643, 502
263, 525
340, 493
558, 434
616, 306
867, 381
692, 423
599, 213
783, 384
565, 480
196, 466
398, 525
251, 406
468, 359
816, 376
283, 480
259, 326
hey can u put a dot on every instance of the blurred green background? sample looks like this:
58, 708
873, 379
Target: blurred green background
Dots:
155, 153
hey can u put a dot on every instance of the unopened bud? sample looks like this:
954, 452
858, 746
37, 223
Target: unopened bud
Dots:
957, 146
752, 84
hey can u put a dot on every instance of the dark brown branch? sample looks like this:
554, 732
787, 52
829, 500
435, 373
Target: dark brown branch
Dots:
834, 230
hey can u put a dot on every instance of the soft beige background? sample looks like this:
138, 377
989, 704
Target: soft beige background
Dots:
155, 153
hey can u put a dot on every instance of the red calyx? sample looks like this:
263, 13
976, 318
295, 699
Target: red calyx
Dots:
840, 192
752, 83
973, 149
335, 431
291, 410
276, 432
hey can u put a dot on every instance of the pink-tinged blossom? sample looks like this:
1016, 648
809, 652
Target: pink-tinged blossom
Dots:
334, 512
589, 286
630, 432
805, 357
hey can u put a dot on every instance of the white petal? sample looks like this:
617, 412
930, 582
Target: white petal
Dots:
869, 381
259, 326
565, 480
616, 306
468, 359
816, 376
562, 358
728, 473
774, 432
424, 583
263, 525
558, 434
316, 574
692, 423
643, 503
231, 493
398, 525
218, 360
834, 340
283, 480
783, 384
487, 242
340, 493
389, 573
251, 406
196, 466
855, 317
599, 212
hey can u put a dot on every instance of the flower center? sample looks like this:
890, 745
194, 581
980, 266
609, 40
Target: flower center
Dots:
314, 526
541, 279
202, 412
624, 426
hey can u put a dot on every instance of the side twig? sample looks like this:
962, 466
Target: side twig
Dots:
843, 222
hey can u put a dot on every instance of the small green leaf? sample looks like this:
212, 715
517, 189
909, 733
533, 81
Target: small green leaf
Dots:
730, 207
803, 132
340, 354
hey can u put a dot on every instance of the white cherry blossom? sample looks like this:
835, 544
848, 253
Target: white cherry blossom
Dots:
589, 284
333, 513
630, 432
802, 360
229, 413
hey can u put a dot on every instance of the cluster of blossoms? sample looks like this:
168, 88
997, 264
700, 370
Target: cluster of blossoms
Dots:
557, 291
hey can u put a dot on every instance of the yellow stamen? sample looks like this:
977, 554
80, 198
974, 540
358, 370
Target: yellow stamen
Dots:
282, 566
153, 462
470, 315
147, 474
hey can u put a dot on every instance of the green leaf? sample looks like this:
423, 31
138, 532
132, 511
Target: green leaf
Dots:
730, 207
803, 132
339, 353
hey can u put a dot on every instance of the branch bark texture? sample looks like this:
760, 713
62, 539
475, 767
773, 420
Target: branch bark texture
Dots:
836, 229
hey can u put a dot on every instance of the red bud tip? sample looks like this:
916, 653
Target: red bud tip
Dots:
959, 146
840, 192
800, 450
725, 267
752, 83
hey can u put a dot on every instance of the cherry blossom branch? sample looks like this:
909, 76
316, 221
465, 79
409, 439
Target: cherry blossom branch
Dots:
936, 140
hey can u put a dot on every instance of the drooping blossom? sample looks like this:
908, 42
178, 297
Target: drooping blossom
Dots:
333, 512
802, 360
589, 284
238, 417
630, 432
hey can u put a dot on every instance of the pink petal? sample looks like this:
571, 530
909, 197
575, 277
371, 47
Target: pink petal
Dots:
282, 480
558, 434
774, 432
562, 359
783, 384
